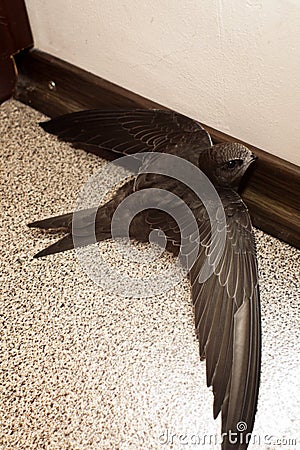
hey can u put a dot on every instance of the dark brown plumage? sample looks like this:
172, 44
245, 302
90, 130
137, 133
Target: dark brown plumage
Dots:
226, 305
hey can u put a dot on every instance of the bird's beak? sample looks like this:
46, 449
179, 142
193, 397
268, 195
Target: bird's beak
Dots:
253, 157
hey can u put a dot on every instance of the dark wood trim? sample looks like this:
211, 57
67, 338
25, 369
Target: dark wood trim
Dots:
55, 87
15, 35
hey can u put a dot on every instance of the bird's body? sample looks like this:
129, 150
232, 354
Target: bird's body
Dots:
226, 305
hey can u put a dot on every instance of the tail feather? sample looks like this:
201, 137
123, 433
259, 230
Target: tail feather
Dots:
66, 243
57, 223
87, 229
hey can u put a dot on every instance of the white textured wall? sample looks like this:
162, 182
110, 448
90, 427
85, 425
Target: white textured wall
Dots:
234, 65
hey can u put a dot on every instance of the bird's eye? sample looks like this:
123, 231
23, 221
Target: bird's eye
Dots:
233, 163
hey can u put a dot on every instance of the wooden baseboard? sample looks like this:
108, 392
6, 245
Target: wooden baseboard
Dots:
55, 87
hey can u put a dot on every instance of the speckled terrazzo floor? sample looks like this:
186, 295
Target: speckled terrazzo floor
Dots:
83, 368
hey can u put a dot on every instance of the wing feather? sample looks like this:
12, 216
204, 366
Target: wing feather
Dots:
127, 131
227, 319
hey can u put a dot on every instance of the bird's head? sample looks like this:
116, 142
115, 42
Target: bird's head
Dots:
225, 164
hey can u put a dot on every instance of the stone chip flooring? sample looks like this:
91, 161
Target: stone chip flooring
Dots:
83, 367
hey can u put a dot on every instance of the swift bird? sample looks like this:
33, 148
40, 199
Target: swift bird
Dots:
226, 305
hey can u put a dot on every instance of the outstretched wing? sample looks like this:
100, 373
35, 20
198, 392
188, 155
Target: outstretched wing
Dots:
127, 131
226, 306
227, 320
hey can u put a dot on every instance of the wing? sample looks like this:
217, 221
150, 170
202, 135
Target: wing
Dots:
227, 320
127, 131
